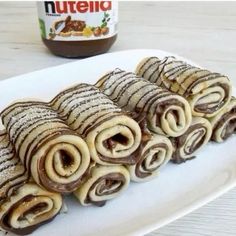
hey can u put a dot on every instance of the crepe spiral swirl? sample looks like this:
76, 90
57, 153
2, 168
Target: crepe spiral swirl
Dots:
54, 155
103, 183
197, 135
207, 92
224, 123
155, 153
166, 113
111, 135
29, 207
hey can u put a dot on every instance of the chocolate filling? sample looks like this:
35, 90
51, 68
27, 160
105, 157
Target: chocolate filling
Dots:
230, 119
27, 230
148, 171
107, 182
180, 141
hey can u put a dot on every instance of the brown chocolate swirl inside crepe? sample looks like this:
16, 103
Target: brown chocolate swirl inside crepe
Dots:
186, 145
54, 155
207, 92
102, 184
155, 153
111, 135
166, 113
29, 207
224, 123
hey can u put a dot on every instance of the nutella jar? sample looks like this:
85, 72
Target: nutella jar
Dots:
78, 28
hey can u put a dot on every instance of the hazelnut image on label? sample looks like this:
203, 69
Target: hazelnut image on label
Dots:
105, 30
97, 31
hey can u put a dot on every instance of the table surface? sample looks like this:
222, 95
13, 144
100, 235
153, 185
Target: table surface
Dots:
204, 32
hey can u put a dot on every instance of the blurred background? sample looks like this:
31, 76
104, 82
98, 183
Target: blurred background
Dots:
202, 31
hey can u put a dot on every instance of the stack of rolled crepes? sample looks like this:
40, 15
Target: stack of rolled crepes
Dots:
112, 136
168, 115
24, 206
206, 92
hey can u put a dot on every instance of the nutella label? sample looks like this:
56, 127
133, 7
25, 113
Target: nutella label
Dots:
77, 20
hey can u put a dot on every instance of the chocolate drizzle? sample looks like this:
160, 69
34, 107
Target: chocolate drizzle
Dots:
86, 110
35, 126
188, 81
135, 94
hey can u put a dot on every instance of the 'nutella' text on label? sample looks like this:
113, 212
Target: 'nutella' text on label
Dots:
77, 20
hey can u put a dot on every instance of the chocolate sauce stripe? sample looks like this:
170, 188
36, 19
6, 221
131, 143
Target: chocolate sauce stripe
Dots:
148, 107
108, 112
108, 77
10, 165
145, 87
124, 89
14, 178
26, 104
174, 70
149, 59
91, 114
14, 184
9, 157
211, 76
64, 92
187, 76
29, 122
121, 88
117, 82
31, 145
89, 129
39, 123
24, 113
66, 102
86, 102
144, 95
65, 96
153, 73
162, 65
5, 146
156, 62
180, 74
120, 85
105, 77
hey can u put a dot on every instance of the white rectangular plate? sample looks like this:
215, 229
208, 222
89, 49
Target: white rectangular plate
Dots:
177, 191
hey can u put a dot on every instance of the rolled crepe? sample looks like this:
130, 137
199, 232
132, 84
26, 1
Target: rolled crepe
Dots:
166, 113
28, 208
104, 183
12, 173
54, 155
224, 123
207, 92
111, 135
155, 153
197, 135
